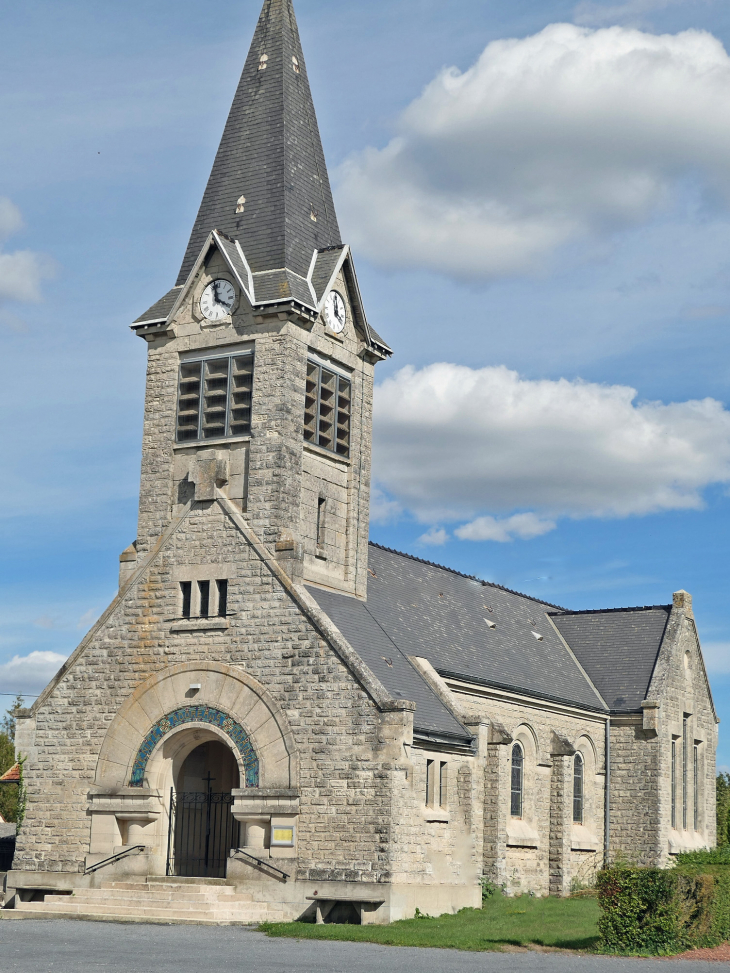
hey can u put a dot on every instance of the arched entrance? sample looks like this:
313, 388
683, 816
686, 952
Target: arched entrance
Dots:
202, 829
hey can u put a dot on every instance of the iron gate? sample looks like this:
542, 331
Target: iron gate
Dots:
202, 833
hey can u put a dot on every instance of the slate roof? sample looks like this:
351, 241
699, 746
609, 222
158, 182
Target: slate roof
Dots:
415, 608
271, 154
618, 649
159, 310
269, 190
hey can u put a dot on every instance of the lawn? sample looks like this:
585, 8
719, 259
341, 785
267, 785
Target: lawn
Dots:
522, 921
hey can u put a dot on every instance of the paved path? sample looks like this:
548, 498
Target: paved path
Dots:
70, 946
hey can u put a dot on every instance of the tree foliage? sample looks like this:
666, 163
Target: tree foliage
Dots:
9, 793
723, 809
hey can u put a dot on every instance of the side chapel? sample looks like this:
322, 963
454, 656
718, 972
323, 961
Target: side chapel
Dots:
275, 718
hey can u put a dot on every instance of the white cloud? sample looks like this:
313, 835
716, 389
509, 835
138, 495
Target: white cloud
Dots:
22, 271
383, 510
524, 526
11, 219
30, 673
457, 443
435, 536
634, 12
568, 134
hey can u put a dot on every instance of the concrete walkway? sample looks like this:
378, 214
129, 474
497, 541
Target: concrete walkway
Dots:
71, 946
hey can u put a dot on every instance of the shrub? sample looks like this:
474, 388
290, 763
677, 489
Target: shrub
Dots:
660, 911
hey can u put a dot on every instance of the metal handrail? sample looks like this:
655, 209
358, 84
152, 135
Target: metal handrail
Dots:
260, 861
113, 858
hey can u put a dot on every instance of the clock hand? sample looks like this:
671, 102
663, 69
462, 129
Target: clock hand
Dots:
216, 299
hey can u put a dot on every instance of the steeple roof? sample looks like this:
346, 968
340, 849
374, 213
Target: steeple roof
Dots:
269, 189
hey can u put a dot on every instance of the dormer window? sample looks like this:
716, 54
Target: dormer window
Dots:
327, 409
214, 398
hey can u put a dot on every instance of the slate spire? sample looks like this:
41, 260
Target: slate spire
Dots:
269, 187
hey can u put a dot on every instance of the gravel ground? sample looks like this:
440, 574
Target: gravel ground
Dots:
720, 954
72, 946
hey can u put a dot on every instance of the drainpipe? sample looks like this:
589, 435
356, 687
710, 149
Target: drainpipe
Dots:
607, 808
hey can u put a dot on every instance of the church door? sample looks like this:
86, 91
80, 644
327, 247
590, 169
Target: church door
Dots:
202, 829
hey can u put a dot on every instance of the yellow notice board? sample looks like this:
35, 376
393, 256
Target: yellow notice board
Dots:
282, 837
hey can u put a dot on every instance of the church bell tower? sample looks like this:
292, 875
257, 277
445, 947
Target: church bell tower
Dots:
261, 358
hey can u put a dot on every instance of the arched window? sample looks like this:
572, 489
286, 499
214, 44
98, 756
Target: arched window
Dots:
578, 789
518, 764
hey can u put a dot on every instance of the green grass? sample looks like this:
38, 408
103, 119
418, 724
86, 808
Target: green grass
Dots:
522, 921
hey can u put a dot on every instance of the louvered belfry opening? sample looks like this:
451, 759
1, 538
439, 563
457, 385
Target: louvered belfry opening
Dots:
327, 409
214, 398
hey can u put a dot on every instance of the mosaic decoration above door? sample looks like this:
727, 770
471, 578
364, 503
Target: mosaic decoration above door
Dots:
197, 714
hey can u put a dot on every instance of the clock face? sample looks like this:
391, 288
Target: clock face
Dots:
217, 299
335, 312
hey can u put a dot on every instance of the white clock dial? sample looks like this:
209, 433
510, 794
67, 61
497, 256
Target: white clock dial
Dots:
335, 312
217, 299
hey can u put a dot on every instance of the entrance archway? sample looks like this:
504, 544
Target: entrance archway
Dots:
202, 828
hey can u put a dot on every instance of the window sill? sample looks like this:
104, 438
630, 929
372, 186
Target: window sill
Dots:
521, 835
200, 625
325, 453
582, 839
680, 841
435, 815
198, 443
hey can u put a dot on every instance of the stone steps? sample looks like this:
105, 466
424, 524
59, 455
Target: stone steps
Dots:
165, 901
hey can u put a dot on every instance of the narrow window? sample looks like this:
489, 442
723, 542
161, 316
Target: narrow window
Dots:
327, 409
204, 590
222, 598
186, 591
684, 772
429, 782
578, 789
674, 783
321, 508
214, 398
696, 789
518, 761
443, 784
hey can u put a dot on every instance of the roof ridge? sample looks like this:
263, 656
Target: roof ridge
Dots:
605, 611
469, 577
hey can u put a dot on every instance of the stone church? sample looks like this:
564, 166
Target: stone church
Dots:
277, 718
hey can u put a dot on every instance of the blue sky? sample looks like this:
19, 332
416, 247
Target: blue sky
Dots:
541, 222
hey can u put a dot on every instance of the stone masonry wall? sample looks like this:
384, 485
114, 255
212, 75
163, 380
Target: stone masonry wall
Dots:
283, 481
519, 861
344, 827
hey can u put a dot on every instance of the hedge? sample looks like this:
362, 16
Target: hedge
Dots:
661, 911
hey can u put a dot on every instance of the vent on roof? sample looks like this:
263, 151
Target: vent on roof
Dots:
262, 62
295, 63
488, 608
537, 636
240, 204
490, 623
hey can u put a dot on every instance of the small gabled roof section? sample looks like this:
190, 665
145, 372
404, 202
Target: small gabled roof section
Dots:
11, 776
618, 648
326, 265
